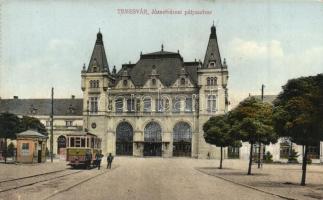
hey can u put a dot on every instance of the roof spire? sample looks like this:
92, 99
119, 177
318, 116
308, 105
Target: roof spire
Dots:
162, 47
98, 61
212, 55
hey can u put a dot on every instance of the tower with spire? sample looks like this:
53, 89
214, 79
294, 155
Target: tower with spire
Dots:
212, 82
96, 78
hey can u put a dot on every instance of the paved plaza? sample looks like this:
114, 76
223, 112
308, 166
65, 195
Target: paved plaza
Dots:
160, 178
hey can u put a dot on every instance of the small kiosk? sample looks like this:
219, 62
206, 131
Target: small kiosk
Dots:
31, 147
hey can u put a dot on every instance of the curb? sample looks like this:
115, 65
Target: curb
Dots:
247, 186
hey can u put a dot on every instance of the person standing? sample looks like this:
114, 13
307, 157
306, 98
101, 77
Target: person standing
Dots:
98, 158
109, 160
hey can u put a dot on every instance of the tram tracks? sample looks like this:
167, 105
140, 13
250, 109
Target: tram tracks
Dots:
17, 183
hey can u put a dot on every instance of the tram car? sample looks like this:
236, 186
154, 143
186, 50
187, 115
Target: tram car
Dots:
81, 149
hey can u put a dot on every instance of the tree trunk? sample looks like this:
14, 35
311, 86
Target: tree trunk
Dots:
304, 164
221, 158
259, 156
250, 159
5, 150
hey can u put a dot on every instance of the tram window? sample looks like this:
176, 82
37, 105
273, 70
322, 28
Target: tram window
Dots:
72, 142
82, 142
77, 142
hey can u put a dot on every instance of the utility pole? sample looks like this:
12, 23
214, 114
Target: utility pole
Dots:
51, 126
259, 153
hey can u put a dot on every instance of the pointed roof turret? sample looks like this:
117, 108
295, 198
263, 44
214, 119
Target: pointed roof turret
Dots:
98, 61
212, 56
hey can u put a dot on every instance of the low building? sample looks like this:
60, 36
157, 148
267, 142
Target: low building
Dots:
68, 117
31, 147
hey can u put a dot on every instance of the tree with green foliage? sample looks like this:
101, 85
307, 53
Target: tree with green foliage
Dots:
252, 122
32, 123
298, 113
9, 126
217, 132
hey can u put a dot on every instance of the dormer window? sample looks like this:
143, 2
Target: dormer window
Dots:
182, 81
212, 64
153, 81
125, 82
94, 68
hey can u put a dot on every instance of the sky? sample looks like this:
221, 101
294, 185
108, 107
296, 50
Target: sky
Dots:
46, 43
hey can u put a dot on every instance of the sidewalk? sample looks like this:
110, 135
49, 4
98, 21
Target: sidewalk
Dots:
11, 170
279, 179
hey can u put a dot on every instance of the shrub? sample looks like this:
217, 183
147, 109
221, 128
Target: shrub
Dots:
268, 157
293, 157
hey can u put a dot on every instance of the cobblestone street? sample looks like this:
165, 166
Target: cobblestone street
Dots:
158, 178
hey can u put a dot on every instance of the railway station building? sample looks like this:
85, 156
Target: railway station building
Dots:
154, 107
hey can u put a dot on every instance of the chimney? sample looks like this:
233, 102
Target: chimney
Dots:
15, 97
73, 96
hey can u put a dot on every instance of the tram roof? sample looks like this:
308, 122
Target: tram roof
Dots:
82, 134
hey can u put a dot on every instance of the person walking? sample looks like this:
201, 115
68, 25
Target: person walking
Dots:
109, 160
98, 158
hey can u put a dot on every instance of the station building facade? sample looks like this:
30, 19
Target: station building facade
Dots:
156, 106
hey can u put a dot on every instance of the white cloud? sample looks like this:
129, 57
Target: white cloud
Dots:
264, 62
254, 49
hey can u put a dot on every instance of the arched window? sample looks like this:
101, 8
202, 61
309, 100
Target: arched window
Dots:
61, 143
182, 139
182, 132
125, 82
211, 81
152, 132
124, 139
124, 132
97, 83
208, 81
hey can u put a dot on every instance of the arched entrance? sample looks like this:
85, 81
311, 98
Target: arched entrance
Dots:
153, 139
182, 139
124, 139
61, 145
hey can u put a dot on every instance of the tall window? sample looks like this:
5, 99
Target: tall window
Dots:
147, 104
233, 152
211, 103
314, 151
188, 104
94, 83
130, 105
211, 81
93, 104
160, 107
176, 105
285, 148
119, 105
